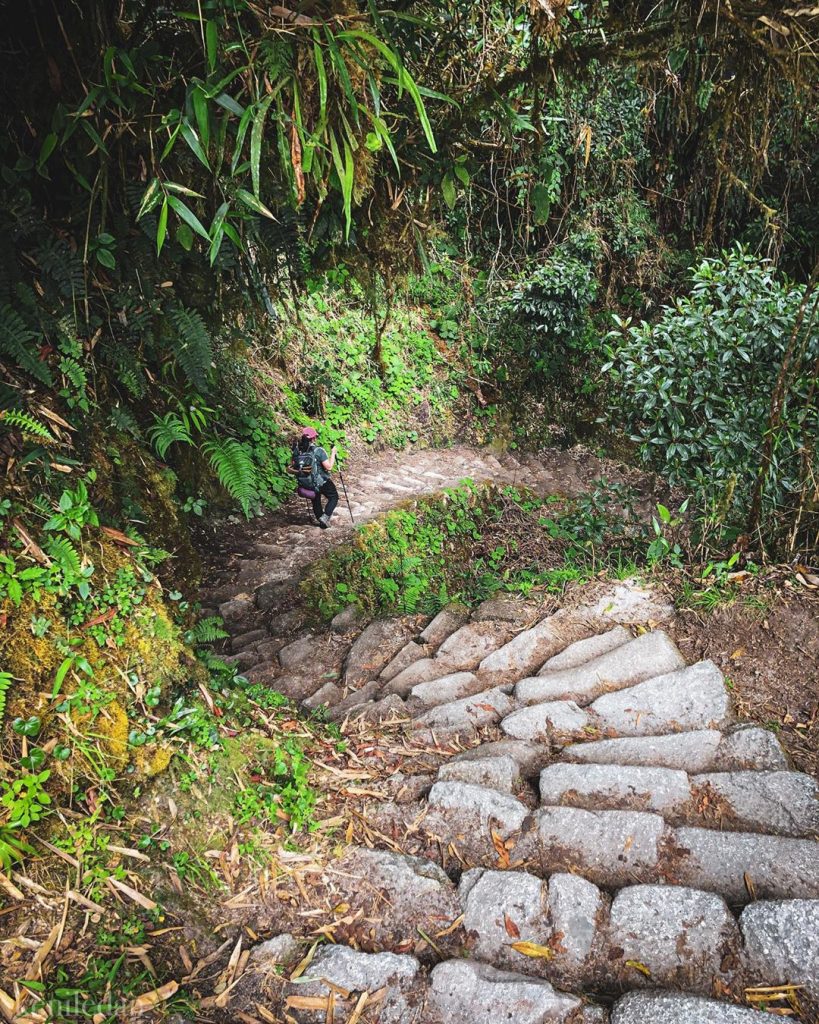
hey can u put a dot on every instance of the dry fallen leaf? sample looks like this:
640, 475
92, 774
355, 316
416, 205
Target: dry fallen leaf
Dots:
533, 949
511, 928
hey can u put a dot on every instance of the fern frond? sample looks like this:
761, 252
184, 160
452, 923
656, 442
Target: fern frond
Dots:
63, 552
123, 420
166, 430
192, 346
71, 369
234, 466
20, 344
23, 421
206, 631
6, 679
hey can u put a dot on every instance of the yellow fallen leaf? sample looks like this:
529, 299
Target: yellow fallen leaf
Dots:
639, 967
533, 949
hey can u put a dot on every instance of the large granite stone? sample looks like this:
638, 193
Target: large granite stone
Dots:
501, 773
692, 698
688, 751
464, 805
652, 654
507, 609
446, 689
686, 938
339, 967
577, 912
445, 623
470, 644
752, 748
665, 791
557, 720
526, 652
674, 1008
609, 848
530, 757
466, 715
743, 866
464, 992
376, 646
586, 650
504, 907
784, 803
782, 943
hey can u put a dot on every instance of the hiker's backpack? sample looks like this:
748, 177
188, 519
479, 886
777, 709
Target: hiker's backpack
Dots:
306, 469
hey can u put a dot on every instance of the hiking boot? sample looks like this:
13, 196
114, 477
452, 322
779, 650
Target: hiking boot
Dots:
324, 522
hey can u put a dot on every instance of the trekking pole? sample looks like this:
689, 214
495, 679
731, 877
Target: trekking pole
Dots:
346, 496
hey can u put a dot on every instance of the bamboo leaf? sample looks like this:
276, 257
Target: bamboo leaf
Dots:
321, 71
150, 199
188, 216
230, 104
212, 42
241, 131
341, 70
192, 139
162, 226
253, 203
200, 109
256, 141
345, 168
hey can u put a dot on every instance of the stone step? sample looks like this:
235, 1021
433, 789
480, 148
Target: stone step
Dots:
677, 1008
444, 690
781, 946
467, 715
698, 751
782, 803
692, 698
531, 758
587, 650
652, 654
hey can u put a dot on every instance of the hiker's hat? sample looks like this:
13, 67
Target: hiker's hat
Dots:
310, 432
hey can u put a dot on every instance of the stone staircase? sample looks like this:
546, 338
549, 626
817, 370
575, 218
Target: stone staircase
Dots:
601, 839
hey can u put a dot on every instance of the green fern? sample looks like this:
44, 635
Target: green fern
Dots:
20, 344
6, 679
63, 552
124, 421
235, 469
206, 631
23, 421
192, 346
75, 373
166, 430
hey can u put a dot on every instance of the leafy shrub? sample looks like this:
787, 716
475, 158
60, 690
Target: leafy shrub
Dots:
695, 387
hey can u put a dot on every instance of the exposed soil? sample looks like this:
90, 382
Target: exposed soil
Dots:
772, 657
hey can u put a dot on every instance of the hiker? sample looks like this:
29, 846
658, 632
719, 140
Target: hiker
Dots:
312, 467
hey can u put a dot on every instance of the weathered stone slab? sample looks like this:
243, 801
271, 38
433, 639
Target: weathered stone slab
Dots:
689, 751
338, 967
750, 747
396, 894
243, 640
389, 709
298, 654
686, 938
558, 720
652, 654
674, 1008
530, 757
587, 650
743, 866
408, 655
784, 803
349, 618
664, 791
464, 804
423, 670
445, 623
467, 714
470, 644
281, 949
379, 642
692, 698
630, 603
447, 689
464, 992
528, 650
503, 907
782, 943
609, 848
506, 609
239, 614
501, 773
328, 695
369, 691
577, 911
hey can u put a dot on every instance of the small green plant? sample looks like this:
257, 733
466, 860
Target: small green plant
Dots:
664, 546
26, 800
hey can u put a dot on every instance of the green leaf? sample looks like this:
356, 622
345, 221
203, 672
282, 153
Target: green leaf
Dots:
212, 44
200, 109
664, 514
170, 143
216, 232
251, 201
62, 672
340, 65
162, 226
448, 190
345, 169
106, 258
183, 190
192, 139
462, 174
188, 216
47, 148
256, 141
241, 131
229, 103
152, 196
184, 236
321, 71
